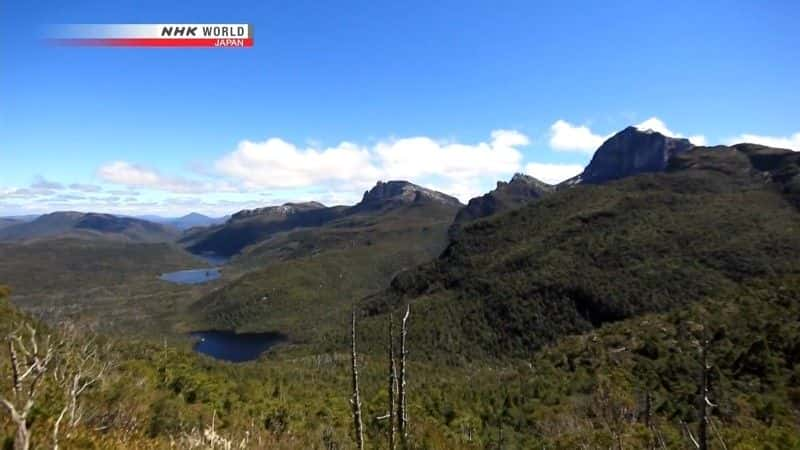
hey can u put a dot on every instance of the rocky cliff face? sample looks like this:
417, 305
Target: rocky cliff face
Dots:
248, 227
521, 190
631, 152
402, 192
281, 211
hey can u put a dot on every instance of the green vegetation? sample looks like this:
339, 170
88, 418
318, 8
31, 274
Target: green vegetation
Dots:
572, 322
110, 284
303, 283
596, 254
586, 390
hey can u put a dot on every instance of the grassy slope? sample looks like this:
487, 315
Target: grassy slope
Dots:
112, 284
595, 254
303, 282
233, 236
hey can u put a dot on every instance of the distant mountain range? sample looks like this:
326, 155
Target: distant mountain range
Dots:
308, 262
628, 153
251, 226
190, 220
88, 225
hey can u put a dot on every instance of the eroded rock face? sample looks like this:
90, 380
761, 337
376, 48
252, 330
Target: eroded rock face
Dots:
521, 190
404, 192
278, 211
631, 152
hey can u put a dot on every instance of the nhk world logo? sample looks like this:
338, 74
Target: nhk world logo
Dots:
154, 35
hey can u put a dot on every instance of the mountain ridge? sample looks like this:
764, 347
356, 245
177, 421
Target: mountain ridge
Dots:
79, 224
248, 227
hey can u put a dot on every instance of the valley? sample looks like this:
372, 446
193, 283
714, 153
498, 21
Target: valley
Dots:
540, 315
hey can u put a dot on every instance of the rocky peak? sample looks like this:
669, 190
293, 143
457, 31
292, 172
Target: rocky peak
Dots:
519, 191
631, 152
520, 179
284, 210
404, 192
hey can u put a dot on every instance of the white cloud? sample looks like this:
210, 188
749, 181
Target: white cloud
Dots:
791, 142
565, 136
421, 156
26, 193
655, 124
276, 163
464, 190
698, 139
553, 173
280, 164
133, 175
658, 125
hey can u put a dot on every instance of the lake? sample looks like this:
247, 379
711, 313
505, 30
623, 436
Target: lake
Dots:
192, 276
234, 347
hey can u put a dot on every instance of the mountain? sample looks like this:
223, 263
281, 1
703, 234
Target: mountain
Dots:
192, 220
302, 281
630, 152
5, 222
77, 224
23, 218
520, 190
715, 220
253, 225
397, 193
248, 227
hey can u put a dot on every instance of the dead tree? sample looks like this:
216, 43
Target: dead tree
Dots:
402, 415
704, 404
355, 400
702, 432
80, 367
392, 385
29, 364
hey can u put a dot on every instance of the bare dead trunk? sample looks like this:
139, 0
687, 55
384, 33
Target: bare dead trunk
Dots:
392, 385
355, 401
22, 439
702, 433
57, 425
402, 416
26, 373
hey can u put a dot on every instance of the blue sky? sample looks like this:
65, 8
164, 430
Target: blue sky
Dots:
336, 95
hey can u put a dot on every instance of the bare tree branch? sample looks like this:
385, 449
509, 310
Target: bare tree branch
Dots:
26, 373
392, 385
402, 416
355, 401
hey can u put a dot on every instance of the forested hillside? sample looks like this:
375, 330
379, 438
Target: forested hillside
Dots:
595, 254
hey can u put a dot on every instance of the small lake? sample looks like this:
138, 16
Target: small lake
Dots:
234, 347
193, 276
